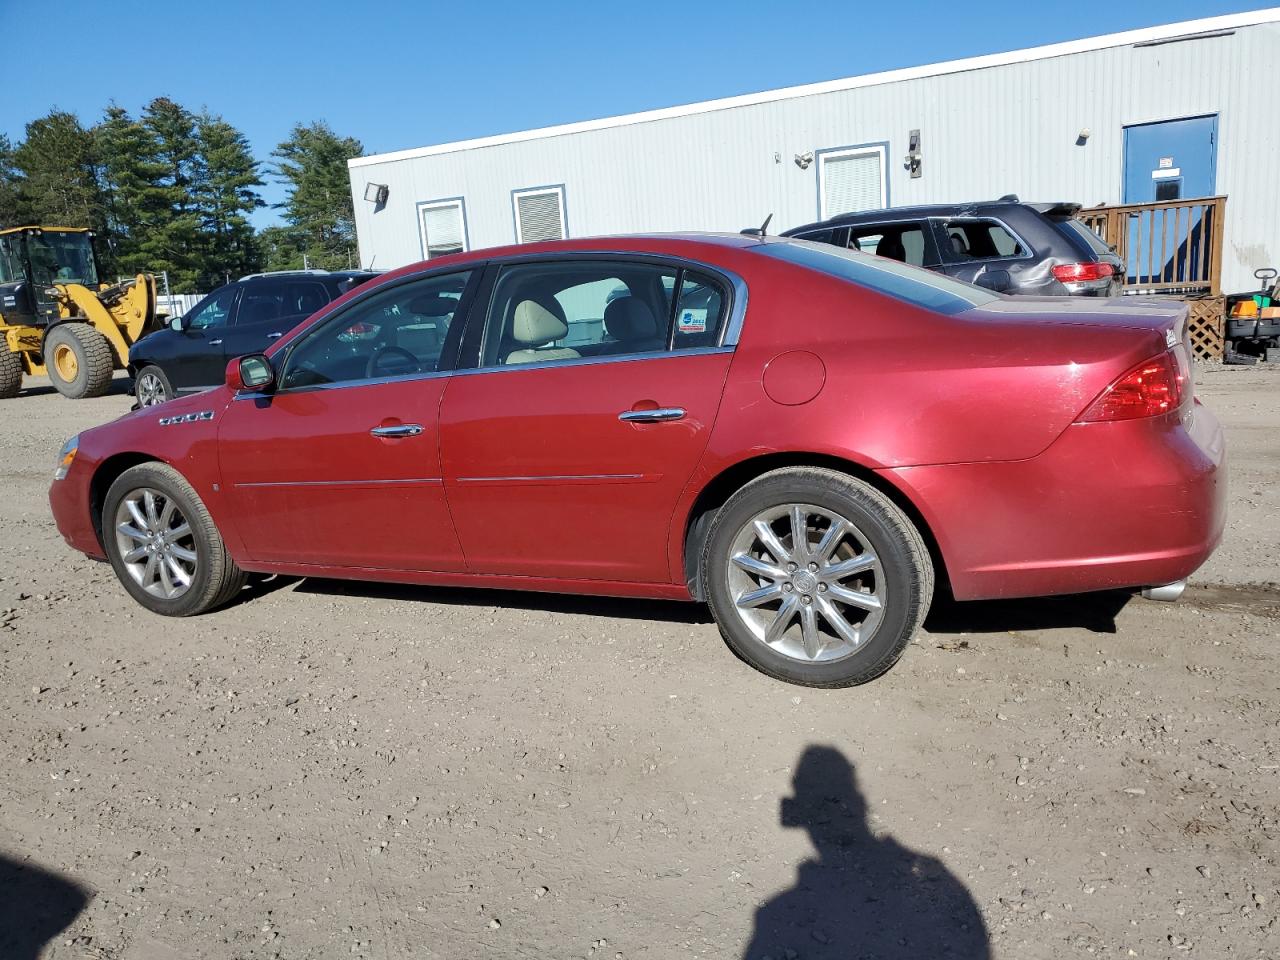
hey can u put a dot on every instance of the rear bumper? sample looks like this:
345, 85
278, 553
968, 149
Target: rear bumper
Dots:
1106, 506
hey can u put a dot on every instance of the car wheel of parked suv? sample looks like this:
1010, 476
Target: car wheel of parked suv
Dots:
151, 387
815, 577
163, 545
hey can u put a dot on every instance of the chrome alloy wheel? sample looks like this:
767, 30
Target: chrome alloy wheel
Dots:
156, 544
150, 390
806, 582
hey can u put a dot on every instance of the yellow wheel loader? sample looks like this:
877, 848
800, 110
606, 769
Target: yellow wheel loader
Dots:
57, 318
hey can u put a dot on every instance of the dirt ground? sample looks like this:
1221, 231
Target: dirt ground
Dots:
346, 770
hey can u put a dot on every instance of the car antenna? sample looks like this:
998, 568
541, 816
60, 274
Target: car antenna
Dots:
760, 230
765, 226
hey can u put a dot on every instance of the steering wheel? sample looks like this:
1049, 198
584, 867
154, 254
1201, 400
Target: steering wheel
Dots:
371, 369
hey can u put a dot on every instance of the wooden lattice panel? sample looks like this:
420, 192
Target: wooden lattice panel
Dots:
1206, 326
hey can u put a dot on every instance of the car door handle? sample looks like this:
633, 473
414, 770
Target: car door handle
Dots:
274, 336
660, 415
398, 430
214, 343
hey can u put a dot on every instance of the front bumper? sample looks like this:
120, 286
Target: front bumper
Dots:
70, 501
1106, 506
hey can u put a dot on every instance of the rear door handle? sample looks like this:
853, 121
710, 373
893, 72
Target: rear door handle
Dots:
274, 336
399, 430
214, 343
660, 415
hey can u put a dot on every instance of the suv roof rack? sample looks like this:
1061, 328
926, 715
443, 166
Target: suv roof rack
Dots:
282, 273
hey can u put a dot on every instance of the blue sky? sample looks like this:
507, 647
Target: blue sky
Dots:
398, 75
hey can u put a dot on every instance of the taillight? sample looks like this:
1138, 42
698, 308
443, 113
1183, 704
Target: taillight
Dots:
1151, 388
1082, 272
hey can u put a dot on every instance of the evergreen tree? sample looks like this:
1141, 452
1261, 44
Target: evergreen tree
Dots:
281, 248
58, 183
225, 194
11, 211
135, 197
313, 163
175, 244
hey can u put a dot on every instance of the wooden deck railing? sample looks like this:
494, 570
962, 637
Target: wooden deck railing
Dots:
1172, 247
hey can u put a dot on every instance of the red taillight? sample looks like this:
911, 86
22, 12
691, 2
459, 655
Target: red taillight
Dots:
1082, 272
1151, 388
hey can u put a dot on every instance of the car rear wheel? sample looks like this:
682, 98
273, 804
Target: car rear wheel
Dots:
151, 386
815, 577
163, 544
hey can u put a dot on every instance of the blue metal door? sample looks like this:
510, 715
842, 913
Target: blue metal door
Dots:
1169, 163
1171, 160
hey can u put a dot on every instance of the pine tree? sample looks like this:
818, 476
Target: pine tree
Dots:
58, 183
11, 212
313, 163
225, 194
133, 182
174, 245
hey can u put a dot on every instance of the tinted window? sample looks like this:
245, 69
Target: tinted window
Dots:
904, 243
399, 332
213, 312
922, 288
563, 311
274, 300
1077, 229
981, 240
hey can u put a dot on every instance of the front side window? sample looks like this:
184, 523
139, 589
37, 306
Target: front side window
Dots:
398, 332
214, 312
980, 240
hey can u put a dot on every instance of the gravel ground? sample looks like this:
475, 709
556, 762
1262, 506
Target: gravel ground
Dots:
356, 770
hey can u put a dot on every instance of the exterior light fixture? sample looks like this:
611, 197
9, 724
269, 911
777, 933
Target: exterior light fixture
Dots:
377, 193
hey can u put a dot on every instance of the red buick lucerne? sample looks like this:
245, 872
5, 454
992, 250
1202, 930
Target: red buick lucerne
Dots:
805, 438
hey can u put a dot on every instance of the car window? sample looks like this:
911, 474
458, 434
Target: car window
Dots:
904, 243
1082, 232
214, 312
699, 312
280, 300
399, 332
562, 311
981, 240
923, 288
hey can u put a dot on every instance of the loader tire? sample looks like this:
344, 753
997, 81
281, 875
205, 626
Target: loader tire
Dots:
79, 360
10, 375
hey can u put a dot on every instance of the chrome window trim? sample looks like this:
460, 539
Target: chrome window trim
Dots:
593, 361
345, 384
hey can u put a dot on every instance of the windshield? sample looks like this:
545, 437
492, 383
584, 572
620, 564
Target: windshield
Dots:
917, 286
62, 258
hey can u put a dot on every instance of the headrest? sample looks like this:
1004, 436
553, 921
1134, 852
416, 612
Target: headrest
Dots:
535, 323
958, 244
630, 319
429, 305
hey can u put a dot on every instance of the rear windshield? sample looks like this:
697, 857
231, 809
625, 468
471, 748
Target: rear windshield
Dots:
1081, 232
923, 288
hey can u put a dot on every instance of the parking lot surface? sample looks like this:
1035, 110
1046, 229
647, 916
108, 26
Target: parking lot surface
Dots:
330, 769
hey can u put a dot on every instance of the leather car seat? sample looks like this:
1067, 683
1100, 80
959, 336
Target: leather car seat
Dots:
890, 247
535, 325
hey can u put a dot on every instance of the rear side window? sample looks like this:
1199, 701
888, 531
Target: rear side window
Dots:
902, 242
1079, 231
981, 240
279, 300
923, 288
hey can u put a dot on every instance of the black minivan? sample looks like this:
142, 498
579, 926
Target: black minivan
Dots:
243, 317
1036, 249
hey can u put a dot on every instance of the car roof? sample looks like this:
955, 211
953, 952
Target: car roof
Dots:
972, 208
307, 274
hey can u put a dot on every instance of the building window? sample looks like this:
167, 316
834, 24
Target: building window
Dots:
852, 179
443, 224
539, 214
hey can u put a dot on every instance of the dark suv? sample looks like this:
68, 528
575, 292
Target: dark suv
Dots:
241, 318
1039, 249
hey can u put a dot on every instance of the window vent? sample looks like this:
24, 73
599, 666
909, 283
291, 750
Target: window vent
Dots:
443, 229
851, 181
540, 215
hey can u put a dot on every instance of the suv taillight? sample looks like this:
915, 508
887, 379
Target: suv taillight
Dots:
1151, 388
1084, 276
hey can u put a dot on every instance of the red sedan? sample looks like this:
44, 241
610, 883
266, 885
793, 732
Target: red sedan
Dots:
803, 437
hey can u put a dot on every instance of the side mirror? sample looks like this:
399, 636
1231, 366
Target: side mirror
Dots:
997, 280
253, 372
175, 323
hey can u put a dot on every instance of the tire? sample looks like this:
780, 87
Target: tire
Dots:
90, 373
212, 576
877, 579
151, 386
10, 374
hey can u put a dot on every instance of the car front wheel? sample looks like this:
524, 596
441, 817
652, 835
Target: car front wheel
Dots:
815, 577
151, 386
163, 544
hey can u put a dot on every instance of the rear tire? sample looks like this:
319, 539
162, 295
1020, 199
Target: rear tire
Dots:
152, 387
833, 607
79, 360
10, 374
163, 544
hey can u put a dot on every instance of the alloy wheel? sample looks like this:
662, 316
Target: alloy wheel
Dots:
157, 547
150, 390
806, 582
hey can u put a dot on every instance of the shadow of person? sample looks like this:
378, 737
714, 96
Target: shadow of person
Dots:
862, 896
35, 906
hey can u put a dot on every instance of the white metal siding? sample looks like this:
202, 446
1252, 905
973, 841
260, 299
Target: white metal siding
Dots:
985, 132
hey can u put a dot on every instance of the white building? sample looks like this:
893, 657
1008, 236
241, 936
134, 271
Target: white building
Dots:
1177, 111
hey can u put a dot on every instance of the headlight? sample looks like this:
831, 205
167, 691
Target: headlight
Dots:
67, 457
